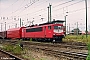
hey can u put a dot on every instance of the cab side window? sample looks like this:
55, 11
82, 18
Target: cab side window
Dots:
49, 27
45, 28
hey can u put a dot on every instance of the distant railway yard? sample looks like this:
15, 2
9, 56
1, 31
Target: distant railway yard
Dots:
32, 50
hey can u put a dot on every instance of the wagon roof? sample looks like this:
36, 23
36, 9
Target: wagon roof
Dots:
12, 29
2, 31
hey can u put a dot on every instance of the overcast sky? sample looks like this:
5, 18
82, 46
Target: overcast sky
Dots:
29, 10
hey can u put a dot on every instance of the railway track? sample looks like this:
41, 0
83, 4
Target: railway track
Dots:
71, 45
51, 49
56, 45
8, 56
59, 53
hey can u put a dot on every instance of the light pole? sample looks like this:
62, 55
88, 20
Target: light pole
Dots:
5, 26
16, 25
1, 26
9, 26
48, 14
20, 22
65, 23
69, 28
86, 16
77, 29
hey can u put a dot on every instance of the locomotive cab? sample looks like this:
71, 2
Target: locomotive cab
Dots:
57, 30
58, 33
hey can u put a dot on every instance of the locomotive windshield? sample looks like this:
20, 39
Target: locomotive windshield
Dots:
58, 29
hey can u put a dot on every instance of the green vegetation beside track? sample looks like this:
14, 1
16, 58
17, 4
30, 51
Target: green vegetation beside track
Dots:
16, 49
77, 38
88, 57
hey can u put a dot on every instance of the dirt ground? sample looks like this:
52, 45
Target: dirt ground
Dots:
40, 55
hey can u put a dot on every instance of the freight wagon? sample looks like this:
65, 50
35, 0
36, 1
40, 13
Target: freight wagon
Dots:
3, 35
14, 33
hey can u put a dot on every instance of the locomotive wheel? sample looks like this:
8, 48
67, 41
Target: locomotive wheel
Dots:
57, 40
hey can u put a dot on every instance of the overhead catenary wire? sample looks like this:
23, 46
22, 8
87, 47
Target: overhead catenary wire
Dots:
69, 5
20, 5
17, 10
54, 6
9, 6
36, 13
59, 9
41, 9
59, 4
45, 8
70, 12
65, 6
23, 8
77, 10
62, 3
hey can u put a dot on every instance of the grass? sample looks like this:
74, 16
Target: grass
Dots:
8, 47
16, 49
77, 38
43, 59
88, 57
27, 54
29, 57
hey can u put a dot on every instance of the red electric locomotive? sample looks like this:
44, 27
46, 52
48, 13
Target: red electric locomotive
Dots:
52, 31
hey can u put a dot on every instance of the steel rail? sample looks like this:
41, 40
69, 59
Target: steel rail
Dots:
11, 55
